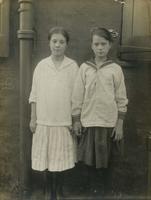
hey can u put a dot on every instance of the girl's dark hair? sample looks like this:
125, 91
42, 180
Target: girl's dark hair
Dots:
60, 30
102, 32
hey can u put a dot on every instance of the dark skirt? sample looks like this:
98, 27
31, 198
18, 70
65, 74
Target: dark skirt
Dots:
97, 147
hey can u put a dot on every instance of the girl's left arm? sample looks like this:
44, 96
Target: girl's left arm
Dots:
122, 101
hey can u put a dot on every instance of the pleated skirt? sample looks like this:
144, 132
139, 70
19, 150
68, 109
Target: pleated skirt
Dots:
53, 148
97, 148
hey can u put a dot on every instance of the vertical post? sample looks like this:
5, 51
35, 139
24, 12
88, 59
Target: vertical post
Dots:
121, 25
4, 27
149, 167
25, 36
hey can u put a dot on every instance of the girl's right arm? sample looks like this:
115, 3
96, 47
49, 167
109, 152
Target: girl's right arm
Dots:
33, 118
32, 101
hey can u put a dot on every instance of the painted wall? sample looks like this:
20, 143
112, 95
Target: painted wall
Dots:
78, 18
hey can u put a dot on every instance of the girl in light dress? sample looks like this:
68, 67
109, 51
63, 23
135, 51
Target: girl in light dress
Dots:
53, 145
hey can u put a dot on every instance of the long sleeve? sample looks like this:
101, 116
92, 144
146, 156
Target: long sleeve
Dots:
120, 93
78, 93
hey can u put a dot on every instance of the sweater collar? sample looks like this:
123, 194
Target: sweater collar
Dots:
92, 63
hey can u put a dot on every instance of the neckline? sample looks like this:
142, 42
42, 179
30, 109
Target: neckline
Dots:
65, 63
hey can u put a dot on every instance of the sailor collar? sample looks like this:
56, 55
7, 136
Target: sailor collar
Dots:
93, 64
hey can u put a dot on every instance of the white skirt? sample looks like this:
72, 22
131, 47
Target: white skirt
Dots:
53, 148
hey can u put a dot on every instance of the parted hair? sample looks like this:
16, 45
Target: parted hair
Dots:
102, 32
58, 29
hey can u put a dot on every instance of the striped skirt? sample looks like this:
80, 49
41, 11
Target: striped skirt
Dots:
97, 148
53, 148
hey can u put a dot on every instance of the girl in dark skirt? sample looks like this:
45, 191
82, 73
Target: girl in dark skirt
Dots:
99, 104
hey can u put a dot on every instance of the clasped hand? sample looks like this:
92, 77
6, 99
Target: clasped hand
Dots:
77, 128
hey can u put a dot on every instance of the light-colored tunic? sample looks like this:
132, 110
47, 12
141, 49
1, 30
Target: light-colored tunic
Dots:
99, 94
53, 146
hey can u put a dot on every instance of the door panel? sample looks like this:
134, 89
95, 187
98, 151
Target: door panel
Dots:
136, 30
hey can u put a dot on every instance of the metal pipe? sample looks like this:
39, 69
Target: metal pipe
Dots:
26, 37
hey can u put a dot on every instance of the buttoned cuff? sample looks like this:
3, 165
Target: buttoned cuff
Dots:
75, 118
121, 115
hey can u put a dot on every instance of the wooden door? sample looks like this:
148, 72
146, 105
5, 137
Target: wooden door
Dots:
136, 30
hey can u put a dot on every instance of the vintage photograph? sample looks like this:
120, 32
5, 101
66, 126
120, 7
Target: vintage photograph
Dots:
75, 99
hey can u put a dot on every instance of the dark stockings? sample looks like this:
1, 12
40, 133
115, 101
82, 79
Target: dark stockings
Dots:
60, 181
53, 185
99, 181
105, 175
91, 176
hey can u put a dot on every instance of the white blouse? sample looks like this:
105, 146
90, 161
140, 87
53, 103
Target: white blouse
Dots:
52, 91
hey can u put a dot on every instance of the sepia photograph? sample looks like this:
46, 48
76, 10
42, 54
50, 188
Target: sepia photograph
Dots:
75, 99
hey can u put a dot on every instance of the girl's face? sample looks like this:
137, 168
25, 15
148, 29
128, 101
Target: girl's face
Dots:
100, 46
58, 44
